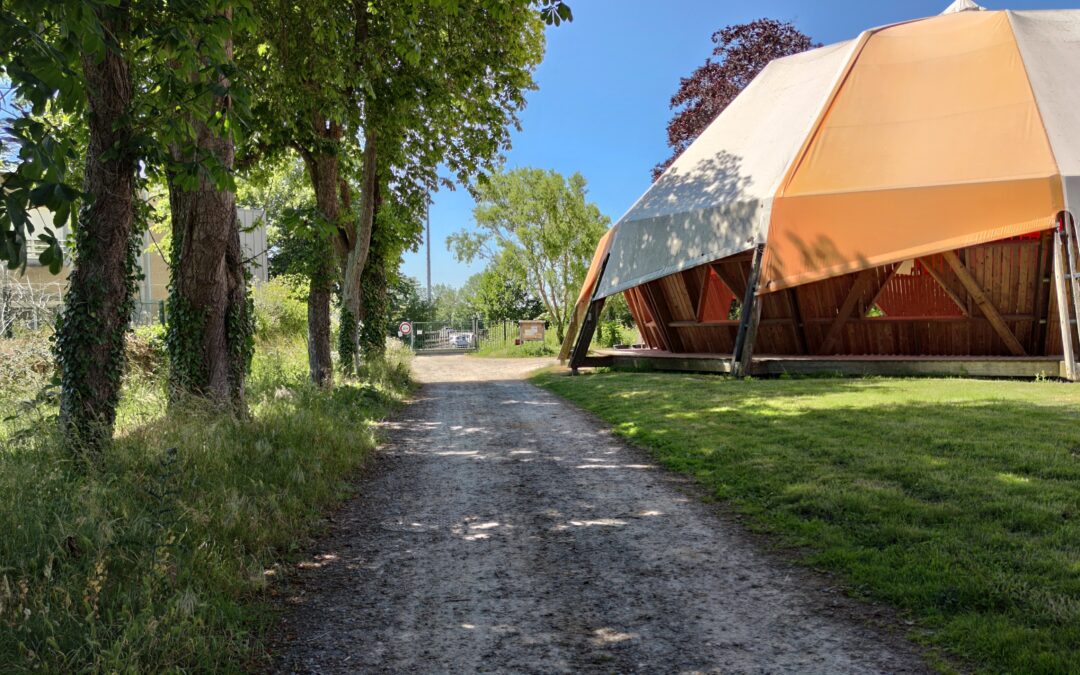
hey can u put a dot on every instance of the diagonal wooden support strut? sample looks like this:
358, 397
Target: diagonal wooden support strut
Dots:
863, 293
985, 305
953, 294
743, 353
584, 339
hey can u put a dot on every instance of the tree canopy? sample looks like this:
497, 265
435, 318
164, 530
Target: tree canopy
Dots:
742, 51
544, 221
382, 102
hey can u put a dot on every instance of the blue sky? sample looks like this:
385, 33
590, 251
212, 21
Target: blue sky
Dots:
604, 86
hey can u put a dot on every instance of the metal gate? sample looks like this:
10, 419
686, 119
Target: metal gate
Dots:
444, 336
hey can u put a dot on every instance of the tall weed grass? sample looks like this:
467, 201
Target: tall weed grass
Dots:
157, 556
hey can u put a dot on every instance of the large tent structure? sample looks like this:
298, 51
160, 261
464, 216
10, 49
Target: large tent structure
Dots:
905, 194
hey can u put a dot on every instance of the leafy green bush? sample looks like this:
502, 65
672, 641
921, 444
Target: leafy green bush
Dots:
25, 362
280, 307
394, 368
146, 352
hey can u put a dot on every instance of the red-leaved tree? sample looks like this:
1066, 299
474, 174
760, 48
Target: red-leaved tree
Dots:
742, 51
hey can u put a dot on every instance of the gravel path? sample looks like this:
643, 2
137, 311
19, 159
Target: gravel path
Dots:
503, 530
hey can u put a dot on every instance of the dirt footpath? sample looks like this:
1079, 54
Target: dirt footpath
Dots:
503, 530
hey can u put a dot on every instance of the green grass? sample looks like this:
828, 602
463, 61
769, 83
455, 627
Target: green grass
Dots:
500, 341
957, 501
152, 561
525, 350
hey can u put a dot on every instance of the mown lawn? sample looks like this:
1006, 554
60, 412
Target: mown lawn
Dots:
957, 501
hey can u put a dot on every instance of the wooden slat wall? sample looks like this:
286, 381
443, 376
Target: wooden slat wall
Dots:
716, 304
921, 318
917, 294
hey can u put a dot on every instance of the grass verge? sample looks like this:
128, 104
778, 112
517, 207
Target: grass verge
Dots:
154, 559
957, 501
510, 351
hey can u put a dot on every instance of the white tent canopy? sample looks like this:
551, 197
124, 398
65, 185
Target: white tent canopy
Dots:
714, 200
734, 183
1050, 45
963, 6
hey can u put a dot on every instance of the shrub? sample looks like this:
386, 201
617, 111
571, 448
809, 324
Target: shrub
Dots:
393, 368
280, 307
146, 352
25, 362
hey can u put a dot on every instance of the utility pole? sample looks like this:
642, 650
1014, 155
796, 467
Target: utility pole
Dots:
427, 240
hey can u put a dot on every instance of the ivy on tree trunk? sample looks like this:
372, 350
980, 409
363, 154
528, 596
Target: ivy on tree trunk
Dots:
98, 305
323, 168
210, 329
210, 332
374, 305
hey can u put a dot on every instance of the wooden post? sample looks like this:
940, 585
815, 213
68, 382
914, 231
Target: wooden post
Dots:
584, 339
577, 317
1069, 231
749, 318
797, 321
1063, 308
976, 292
1042, 293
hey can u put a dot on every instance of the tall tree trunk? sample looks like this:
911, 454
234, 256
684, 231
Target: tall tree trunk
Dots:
320, 361
361, 245
374, 306
323, 169
210, 331
98, 306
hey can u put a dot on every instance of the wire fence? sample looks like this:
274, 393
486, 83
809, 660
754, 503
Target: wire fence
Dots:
505, 334
27, 308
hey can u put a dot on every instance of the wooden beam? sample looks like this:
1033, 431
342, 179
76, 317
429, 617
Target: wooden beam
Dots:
746, 355
660, 314
797, 325
1044, 268
572, 332
983, 302
960, 302
572, 340
584, 340
786, 321
749, 317
693, 288
1063, 309
863, 292
641, 317
938, 366
703, 294
736, 286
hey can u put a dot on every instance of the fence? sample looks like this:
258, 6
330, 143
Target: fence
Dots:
19, 314
467, 335
430, 336
503, 335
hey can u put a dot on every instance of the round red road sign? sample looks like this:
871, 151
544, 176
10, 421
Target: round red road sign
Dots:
405, 327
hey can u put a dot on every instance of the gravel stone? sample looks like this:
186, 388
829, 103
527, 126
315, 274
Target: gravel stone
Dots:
500, 529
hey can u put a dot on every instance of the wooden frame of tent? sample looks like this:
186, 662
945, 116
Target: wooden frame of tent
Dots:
1001, 309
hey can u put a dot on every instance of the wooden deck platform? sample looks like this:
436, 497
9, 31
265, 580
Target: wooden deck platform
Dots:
765, 365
